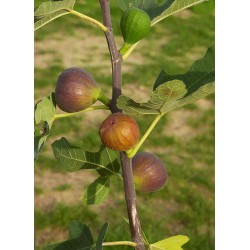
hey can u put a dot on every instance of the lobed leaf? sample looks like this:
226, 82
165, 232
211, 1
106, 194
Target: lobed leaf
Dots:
199, 80
96, 191
171, 243
164, 96
49, 11
80, 238
71, 158
131, 107
101, 236
173, 91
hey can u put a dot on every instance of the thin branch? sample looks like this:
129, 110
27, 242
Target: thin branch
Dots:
130, 195
116, 59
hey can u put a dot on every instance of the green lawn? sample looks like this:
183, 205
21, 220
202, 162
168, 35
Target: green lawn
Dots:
184, 139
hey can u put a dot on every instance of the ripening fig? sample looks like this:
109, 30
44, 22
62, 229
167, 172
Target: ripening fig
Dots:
135, 24
149, 172
119, 132
75, 90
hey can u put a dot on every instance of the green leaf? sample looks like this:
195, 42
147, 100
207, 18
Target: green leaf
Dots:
45, 109
40, 137
80, 238
165, 95
173, 91
141, 4
168, 9
72, 158
44, 112
199, 80
37, 3
171, 243
101, 236
96, 191
49, 11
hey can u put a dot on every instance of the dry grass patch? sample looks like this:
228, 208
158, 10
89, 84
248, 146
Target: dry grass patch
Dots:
82, 49
49, 181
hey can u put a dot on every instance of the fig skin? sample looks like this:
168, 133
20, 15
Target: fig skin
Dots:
119, 132
135, 24
75, 90
149, 172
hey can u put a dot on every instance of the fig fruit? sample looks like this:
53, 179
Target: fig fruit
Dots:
75, 90
135, 25
119, 132
149, 172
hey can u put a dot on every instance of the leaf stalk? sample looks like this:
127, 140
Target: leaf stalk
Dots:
132, 152
119, 243
89, 19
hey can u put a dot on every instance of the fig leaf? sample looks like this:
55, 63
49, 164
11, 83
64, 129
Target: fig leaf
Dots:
101, 236
171, 243
45, 109
71, 158
97, 191
80, 237
174, 91
44, 112
48, 11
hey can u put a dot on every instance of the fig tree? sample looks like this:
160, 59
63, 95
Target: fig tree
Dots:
149, 172
135, 25
119, 132
75, 90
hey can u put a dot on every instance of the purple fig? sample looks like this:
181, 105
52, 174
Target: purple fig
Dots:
75, 90
149, 172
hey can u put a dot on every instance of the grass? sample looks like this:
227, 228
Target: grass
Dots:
186, 205
62, 187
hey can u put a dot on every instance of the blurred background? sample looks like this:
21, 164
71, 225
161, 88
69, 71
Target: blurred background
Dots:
184, 139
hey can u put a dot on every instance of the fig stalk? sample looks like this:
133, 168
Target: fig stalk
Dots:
104, 99
125, 48
97, 107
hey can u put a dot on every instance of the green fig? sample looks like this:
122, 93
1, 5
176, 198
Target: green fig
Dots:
135, 24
